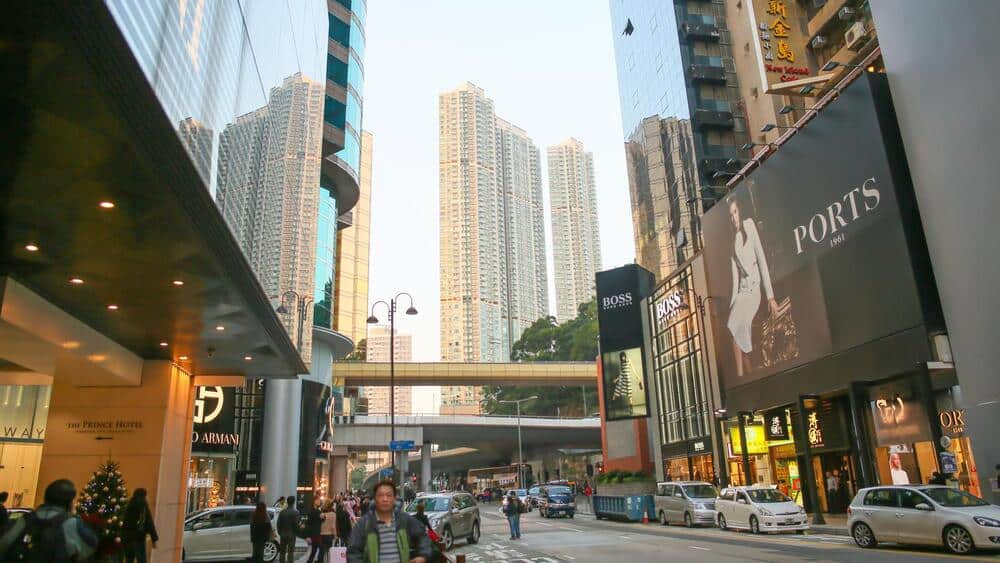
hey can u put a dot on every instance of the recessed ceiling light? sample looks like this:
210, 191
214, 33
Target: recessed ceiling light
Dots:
112, 307
163, 344
31, 247
220, 327
107, 205
178, 283
248, 358
182, 358
76, 281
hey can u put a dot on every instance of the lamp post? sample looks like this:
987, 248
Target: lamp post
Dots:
520, 452
372, 319
301, 302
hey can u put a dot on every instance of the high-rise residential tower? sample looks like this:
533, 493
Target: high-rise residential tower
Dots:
493, 271
576, 241
682, 120
378, 351
350, 306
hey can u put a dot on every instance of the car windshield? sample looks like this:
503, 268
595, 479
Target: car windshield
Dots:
533, 490
953, 498
559, 490
520, 492
767, 495
700, 491
431, 504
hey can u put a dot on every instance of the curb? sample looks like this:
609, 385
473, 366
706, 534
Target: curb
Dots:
831, 530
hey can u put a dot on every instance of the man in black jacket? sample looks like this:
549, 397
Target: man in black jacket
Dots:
288, 529
387, 535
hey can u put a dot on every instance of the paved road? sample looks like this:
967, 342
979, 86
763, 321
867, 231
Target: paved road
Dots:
586, 540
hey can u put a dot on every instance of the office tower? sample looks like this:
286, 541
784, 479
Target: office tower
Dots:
675, 66
351, 302
576, 242
378, 351
198, 140
519, 173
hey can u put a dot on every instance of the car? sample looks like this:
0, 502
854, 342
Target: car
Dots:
924, 515
533, 493
452, 515
691, 502
760, 510
223, 534
556, 500
521, 494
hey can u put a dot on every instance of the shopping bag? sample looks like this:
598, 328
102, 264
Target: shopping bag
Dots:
338, 555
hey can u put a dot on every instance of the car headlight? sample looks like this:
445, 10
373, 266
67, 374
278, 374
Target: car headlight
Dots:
802, 510
765, 512
984, 521
572, 504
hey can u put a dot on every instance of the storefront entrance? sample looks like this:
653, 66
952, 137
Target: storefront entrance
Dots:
835, 481
211, 482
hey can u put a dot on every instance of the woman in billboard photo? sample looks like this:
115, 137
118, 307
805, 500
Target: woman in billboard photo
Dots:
750, 271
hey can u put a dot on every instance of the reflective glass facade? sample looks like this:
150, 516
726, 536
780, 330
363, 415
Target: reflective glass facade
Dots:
347, 29
326, 253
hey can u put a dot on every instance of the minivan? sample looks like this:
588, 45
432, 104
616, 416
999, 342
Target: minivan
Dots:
691, 502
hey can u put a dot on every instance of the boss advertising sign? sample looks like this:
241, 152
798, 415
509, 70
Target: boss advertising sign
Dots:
809, 256
619, 315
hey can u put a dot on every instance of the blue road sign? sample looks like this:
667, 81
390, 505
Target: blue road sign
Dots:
401, 445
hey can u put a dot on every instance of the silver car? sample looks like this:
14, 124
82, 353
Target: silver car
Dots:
452, 515
924, 514
691, 502
223, 534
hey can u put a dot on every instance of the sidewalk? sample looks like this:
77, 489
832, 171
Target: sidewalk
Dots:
836, 525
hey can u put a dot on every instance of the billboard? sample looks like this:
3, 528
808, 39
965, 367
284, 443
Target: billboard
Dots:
619, 315
809, 256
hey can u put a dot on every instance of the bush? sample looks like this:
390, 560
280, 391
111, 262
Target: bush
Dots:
619, 476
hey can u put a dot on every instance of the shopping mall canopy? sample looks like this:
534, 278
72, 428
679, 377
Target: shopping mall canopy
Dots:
110, 243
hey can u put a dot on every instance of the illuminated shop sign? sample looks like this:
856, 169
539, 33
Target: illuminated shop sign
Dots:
208, 403
898, 419
756, 440
670, 306
814, 429
776, 425
952, 422
780, 41
214, 428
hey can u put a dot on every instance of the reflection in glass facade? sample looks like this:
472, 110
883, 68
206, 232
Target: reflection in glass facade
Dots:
326, 253
681, 119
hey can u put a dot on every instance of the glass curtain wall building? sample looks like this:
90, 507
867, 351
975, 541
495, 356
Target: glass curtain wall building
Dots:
681, 118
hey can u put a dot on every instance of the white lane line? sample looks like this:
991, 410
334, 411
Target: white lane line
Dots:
544, 524
698, 548
625, 537
570, 529
570, 557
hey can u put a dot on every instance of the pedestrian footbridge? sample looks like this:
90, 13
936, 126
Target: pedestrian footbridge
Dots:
444, 373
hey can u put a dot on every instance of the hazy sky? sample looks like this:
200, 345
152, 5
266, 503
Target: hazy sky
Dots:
548, 65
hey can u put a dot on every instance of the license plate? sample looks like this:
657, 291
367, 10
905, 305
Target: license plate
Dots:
789, 521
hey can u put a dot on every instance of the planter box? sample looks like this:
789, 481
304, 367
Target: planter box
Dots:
626, 489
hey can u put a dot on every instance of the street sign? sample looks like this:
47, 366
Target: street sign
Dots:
401, 445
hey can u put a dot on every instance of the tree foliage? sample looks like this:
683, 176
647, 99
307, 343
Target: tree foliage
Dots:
547, 341
360, 352
102, 503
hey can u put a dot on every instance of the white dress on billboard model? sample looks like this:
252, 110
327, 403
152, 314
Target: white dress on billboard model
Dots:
750, 271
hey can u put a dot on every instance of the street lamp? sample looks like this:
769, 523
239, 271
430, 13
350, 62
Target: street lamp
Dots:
301, 302
520, 452
372, 319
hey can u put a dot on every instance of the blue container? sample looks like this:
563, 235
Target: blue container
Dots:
629, 508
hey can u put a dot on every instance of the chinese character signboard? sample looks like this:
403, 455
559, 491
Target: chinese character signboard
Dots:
780, 41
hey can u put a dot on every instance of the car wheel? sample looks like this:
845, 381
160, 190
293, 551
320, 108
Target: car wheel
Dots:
754, 525
958, 540
270, 551
571, 515
474, 538
688, 521
448, 538
663, 518
722, 522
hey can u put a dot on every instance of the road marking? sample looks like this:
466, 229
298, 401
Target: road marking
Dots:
698, 548
570, 557
570, 529
544, 524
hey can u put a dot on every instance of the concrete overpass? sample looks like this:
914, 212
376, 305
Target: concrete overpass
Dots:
492, 437
442, 373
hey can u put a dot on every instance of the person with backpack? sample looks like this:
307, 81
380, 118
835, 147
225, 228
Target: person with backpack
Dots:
261, 532
512, 510
50, 533
137, 523
288, 530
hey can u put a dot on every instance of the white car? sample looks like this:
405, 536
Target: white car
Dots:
759, 509
223, 534
924, 514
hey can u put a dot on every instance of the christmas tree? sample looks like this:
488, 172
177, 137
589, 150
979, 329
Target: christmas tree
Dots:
102, 504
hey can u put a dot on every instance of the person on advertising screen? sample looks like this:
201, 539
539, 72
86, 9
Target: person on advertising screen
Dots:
750, 271
899, 476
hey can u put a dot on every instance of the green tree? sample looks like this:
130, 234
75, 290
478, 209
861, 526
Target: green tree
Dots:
360, 353
547, 341
102, 503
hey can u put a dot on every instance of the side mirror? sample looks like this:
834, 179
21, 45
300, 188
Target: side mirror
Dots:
199, 526
454, 510
741, 500
925, 507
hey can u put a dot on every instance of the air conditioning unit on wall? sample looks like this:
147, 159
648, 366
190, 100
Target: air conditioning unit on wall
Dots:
818, 42
855, 36
846, 13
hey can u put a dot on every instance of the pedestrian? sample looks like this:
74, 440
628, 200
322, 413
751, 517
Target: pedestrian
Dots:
512, 510
343, 523
288, 530
4, 515
280, 503
385, 535
137, 523
587, 491
57, 536
831, 492
261, 531
328, 530
314, 532
937, 479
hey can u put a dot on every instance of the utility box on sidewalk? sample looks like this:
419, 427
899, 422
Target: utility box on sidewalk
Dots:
630, 507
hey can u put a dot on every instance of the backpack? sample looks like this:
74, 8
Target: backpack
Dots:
41, 540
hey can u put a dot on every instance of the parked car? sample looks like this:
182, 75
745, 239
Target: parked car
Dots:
533, 493
556, 500
452, 515
223, 534
691, 502
924, 514
759, 509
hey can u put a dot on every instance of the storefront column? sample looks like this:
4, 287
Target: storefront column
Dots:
862, 451
809, 484
747, 481
425, 467
145, 428
926, 389
280, 459
338, 469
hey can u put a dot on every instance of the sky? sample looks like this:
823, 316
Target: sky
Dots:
549, 67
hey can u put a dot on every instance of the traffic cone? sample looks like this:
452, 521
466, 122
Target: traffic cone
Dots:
645, 517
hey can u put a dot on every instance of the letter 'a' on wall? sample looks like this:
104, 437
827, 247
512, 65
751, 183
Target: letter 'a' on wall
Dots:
827, 229
619, 314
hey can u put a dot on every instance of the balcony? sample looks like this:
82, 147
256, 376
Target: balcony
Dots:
708, 74
701, 30
712, 119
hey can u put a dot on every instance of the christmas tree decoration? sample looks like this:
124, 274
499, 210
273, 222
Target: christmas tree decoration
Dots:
103, 511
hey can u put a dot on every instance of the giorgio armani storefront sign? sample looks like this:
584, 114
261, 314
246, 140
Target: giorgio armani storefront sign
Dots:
815, 253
